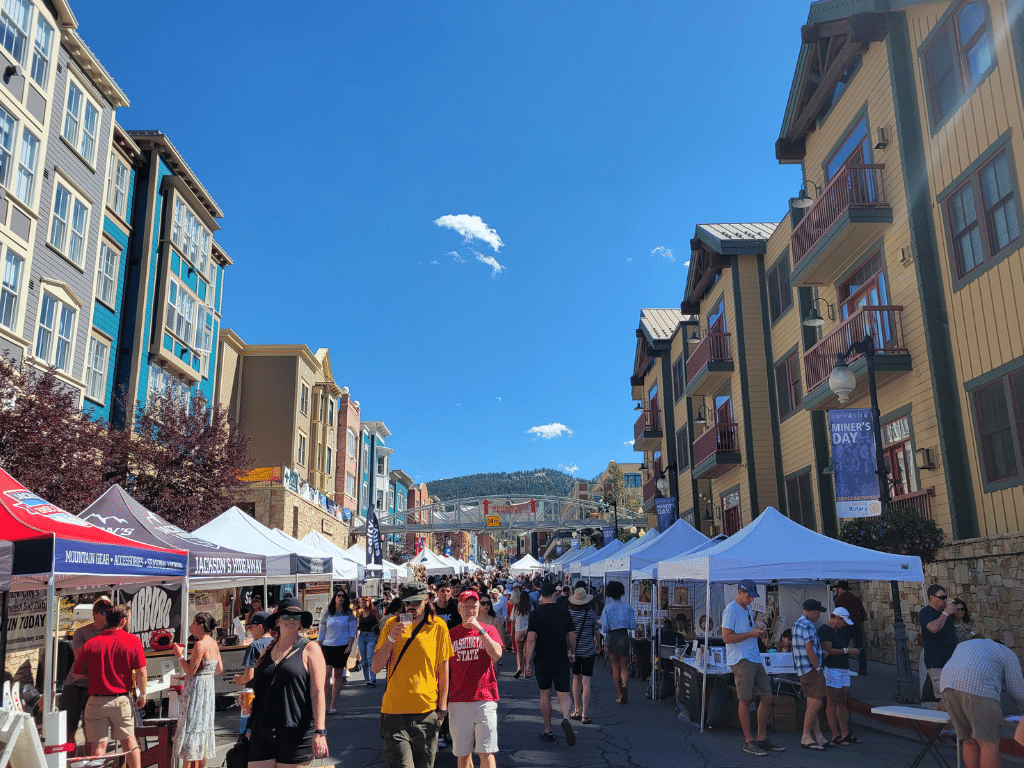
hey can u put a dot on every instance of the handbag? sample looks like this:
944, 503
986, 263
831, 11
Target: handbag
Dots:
238, 755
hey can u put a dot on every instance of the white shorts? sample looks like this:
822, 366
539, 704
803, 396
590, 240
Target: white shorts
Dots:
474, 726
837, 678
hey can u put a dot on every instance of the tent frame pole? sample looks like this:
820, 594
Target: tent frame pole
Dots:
707, 624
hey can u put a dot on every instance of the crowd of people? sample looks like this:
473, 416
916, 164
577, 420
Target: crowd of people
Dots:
442, 642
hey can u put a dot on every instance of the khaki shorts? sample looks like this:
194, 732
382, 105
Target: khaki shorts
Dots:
974, 717
751, 680
813, 684
935, 673
113, 712
474, 726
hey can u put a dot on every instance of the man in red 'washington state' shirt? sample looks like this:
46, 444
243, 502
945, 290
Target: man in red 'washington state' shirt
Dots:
109, 660
473, 695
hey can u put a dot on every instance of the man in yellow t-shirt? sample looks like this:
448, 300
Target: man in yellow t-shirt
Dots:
416, 655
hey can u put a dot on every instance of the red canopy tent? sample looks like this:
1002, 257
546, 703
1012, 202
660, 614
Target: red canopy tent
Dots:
56, 550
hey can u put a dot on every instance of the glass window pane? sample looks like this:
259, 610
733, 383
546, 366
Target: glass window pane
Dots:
44, 336
9, 289
970, 18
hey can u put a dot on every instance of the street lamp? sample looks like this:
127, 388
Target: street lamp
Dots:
842, 381
662, 485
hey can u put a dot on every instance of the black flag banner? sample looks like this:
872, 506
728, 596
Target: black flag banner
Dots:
374, 550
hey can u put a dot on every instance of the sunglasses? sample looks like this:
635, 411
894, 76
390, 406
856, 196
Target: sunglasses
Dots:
290, 617
411, 603
485, 602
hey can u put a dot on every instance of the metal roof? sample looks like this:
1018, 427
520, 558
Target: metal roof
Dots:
728, 239
660, 324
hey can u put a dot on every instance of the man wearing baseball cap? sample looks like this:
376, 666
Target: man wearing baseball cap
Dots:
807, 657
833, 637
743, 655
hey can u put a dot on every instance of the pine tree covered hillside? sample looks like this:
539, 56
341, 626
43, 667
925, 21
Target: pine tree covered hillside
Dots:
531, 482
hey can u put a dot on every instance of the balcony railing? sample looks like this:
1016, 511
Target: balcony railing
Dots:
714, 347
651, 486
855, 186
649, 421
884, 324
721, 438
918, 501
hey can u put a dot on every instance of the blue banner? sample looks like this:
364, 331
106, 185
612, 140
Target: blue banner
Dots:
91, 557
666, 507
558, 549
854, 469
608, 532
575, 544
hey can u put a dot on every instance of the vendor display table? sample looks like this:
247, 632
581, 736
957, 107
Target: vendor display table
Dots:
690, 689
927, 724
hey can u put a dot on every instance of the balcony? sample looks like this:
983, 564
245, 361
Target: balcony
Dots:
716, 451
850, 213
709, 366
918, 501
892, 359
647, 431
651, 486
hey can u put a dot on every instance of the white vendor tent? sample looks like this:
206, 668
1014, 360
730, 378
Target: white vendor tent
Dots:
678, 538
773, 547
623, 561
526, 564
598, 568
391, 571
343, 569
317, 540
651, 571
235, 529
434, 565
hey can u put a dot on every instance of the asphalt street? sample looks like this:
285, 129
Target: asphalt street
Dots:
643, 733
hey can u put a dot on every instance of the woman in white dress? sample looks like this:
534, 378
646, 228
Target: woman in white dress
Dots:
194, 740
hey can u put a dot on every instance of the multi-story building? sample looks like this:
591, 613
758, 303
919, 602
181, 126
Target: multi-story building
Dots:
399, 484
285, 399
57, 108
347, 473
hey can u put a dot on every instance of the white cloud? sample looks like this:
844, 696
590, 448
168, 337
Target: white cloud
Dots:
569, 470
627, 442
664, 253
498, 399
686, 263
629, 258
548, 431
490, 261
434, 263
471, 228
456, 256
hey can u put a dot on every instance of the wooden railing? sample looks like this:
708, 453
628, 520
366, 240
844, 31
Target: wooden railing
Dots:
884, 324
720, 438
713, 347
919, 501
651, 486
649, 421
855, 185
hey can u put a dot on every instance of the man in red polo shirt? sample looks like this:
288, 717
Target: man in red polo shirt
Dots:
473, 695
109, 660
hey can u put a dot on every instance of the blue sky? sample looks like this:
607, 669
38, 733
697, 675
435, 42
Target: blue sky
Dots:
357, 149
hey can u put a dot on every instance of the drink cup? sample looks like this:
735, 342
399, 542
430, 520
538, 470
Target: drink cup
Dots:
406, 618
245, 701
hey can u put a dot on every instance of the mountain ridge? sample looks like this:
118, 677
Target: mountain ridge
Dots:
530, 482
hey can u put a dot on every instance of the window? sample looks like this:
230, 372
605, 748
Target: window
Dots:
999, 417
320, 458
366, 495
181, 312
163, 382
351, 443
957, 58
898, 452
81, 121
366, 459
780, 293
678, 378
329, 460
70, 221
982, 215
191, 237
106, 275
380, 465
682, 450
10, 289
8, 128
14, 25
117, 186
26, 185
96, 370
787, 385
330, 412
324, 397
304, 399
800, 501
41, 51
350, 484
302, 450
56, 332
380, 500
632, 480
856, 148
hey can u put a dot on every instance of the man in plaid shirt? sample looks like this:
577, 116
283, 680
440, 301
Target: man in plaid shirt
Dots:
972, 683
807, 658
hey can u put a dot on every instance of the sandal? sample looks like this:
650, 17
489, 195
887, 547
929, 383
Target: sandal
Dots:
575, 716
813, 745
586, 721
849, 739
332, 711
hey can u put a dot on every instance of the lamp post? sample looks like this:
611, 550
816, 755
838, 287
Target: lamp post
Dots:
842, 381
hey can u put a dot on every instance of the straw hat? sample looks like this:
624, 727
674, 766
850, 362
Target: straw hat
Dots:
580, 597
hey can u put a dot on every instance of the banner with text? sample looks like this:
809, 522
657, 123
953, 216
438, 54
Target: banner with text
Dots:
666, 508
608, 532
854, 469
374, 547
154, 608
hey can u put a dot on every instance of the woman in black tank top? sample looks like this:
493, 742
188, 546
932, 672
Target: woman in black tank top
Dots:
369, 632
289, 707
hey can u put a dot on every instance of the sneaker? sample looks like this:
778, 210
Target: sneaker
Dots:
547, 736
570, 734
372, 683
442, 742
752, 748
771, 746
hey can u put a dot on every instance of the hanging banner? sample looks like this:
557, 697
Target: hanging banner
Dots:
608, 532
666, 507
374, 549
154, 608
558, 549
26, 620
854, 469
575, 544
